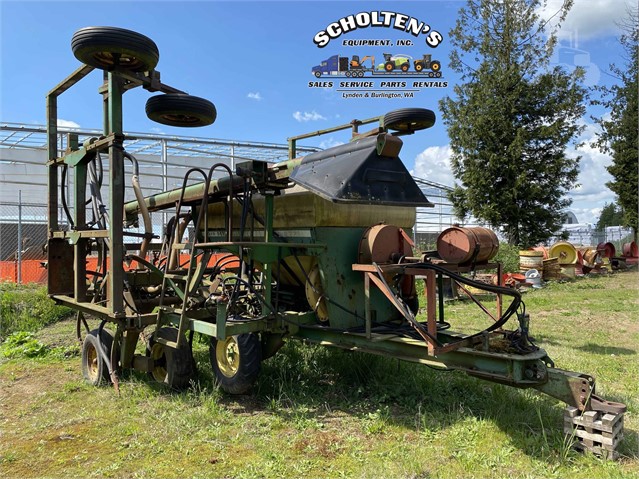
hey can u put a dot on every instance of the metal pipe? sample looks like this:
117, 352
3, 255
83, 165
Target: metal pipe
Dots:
144, 211
195, 192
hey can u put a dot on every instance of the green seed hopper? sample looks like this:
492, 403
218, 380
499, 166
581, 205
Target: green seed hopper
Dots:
317, 248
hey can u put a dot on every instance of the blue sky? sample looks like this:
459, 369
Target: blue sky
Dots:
253, 60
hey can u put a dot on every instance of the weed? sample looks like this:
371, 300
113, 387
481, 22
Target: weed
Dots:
23, 344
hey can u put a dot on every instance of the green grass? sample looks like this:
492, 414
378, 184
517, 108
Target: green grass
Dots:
27, 308
317, 412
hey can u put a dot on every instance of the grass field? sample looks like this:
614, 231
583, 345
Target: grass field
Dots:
317, 412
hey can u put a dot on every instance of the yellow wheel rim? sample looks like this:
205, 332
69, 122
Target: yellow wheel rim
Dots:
159, 372
92, 363
435, 67
227, 355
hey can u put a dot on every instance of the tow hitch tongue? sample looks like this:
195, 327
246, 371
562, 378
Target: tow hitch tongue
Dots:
577, 390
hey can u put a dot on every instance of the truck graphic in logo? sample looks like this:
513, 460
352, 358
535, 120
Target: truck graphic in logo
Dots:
393, 65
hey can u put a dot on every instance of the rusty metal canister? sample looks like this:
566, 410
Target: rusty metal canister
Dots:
457, 245
606, 250
630, 250
589, 257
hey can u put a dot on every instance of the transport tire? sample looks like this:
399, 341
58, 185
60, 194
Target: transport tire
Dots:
236, 362
94, 368
173, 367
435, 66
409, 119
111, 48
318, 74
179, 109
349, 73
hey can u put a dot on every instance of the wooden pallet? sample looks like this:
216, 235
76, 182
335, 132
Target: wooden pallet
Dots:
594, 431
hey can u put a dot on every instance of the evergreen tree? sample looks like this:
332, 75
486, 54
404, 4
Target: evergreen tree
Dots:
511, 119
610, 216
619, 133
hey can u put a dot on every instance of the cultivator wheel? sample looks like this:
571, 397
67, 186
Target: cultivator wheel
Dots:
178, 109
110, 48
236, 362
173, 367
408, 120
94, 366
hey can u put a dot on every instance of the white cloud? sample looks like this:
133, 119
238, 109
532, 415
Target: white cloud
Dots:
433, 164
306, 116
67, 124
591, 194
587, 18
589, 197
254, 96
330, 143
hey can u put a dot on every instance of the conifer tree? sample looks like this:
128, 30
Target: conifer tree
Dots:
511, 119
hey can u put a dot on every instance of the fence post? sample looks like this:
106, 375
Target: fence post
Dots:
19, 258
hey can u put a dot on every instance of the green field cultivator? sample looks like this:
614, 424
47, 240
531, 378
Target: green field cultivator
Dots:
316, 248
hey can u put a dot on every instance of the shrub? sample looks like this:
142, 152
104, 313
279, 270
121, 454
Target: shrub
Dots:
27, 308
508, 256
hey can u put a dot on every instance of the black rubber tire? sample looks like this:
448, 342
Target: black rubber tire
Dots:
111, 48
435, 66
178, 109
94, 369
419, 67
409, 119
349, 73
405, 67
389, 66
240, 379
318, 74
360, 74
174, 367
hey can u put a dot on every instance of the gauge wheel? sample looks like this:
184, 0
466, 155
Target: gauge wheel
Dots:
236, 362
94, 368
317, 74
409, 119
404, 67
389, 66
435, 66
419, 67
173, 367
179, 109
110, 48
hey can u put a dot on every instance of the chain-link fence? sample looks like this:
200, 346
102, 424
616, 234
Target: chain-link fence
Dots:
23, 236
586, 235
